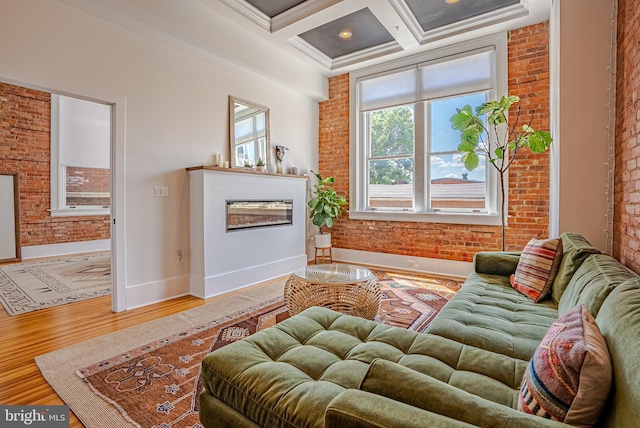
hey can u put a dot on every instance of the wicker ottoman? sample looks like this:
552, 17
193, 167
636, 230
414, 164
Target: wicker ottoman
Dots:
351, 290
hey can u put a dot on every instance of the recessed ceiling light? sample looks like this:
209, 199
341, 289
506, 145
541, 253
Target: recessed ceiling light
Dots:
452, 1
345, 34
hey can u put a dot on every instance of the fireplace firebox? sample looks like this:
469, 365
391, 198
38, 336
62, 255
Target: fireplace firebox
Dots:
251, 214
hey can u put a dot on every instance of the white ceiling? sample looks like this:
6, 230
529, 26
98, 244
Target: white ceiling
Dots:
218, 32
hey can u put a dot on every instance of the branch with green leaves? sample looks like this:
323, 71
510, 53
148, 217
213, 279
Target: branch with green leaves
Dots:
508, 140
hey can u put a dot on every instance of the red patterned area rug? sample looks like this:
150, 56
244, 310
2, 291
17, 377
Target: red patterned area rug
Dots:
157, 385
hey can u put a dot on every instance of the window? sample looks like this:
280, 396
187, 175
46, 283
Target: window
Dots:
406, 165
80, 157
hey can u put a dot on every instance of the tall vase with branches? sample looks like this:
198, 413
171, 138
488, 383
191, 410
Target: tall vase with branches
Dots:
498, 139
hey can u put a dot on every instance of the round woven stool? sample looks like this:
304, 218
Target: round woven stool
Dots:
351, 290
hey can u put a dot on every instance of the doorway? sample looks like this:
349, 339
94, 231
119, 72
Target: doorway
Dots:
71, 198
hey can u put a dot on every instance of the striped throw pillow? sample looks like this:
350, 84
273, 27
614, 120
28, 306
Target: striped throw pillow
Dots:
537, 268
569, 376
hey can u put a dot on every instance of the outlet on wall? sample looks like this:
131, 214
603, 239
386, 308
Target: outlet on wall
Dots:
161, 191
412, 263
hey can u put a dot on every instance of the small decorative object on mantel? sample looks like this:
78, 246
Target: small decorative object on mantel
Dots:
279, 158
260, 165
217, 159
325, 207
248, 164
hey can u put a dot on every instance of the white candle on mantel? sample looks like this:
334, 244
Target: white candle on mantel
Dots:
226, 164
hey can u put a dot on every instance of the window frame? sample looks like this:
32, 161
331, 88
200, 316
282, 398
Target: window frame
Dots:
359, 149
58, 186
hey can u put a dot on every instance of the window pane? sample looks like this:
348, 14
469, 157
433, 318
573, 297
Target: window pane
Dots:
452, 186
391, 183
443, 137
87, 187
392, 131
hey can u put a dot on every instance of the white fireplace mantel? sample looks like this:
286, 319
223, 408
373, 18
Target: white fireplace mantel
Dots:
223, 261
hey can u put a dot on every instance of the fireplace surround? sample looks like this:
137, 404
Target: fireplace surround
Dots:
252, 251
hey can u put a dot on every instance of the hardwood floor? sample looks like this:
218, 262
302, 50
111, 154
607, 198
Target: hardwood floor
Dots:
35, 333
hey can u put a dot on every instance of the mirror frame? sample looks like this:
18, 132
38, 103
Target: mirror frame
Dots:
16, 213
232, 137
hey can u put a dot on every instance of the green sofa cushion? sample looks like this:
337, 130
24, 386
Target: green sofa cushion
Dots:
359, 409
619, 322
488, 313
423, 391
496, 262
306, 361
592, 283
575, 251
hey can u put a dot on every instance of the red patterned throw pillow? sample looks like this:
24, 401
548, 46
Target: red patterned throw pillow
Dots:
537, 268
569, 376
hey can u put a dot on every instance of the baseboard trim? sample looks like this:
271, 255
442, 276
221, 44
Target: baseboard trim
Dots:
157, 291
404, 263
65, 249
231, 281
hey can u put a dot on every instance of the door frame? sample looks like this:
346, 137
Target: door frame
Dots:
117, 218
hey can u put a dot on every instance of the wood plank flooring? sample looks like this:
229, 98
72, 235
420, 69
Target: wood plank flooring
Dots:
35, 333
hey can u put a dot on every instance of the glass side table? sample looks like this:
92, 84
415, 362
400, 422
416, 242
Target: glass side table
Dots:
348, 289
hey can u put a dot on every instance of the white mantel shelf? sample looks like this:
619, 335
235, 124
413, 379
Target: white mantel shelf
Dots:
221, 260
243, 171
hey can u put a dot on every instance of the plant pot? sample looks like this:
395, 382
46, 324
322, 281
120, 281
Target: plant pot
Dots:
323, 240
260, 168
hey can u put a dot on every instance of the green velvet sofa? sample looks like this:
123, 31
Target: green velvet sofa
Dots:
324, 369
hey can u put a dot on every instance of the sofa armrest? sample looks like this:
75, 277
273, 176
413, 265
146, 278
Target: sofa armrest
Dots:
416, 389
496, 262
359, 409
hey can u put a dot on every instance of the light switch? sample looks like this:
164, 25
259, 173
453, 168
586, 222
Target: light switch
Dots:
160, 191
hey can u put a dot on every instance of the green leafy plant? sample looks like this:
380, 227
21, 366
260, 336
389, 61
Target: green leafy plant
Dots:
248, 164
260, 162
327, 205
499, 140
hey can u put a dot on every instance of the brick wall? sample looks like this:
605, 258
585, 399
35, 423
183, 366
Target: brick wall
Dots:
88, 186
626, 223
528, 201
25, 117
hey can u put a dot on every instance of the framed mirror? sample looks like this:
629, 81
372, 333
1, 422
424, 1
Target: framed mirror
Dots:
248, 133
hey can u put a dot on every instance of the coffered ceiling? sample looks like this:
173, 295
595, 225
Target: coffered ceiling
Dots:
299, 43
345, 38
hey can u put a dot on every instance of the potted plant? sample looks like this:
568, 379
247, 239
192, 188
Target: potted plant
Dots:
248, 164
260, 165
509, 139
325, 207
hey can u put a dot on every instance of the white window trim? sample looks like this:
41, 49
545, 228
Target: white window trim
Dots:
358, 197
58, 184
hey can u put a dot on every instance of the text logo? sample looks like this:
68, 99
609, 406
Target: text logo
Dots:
34, 416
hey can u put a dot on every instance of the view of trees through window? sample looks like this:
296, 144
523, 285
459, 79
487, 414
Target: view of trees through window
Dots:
391, 158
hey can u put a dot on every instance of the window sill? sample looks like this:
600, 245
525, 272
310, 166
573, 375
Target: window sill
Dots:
80, 212
436, 217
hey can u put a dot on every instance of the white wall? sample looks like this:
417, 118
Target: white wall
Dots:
176, 117
580, 92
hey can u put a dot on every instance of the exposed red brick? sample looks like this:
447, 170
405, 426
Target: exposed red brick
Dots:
529, 176
626, 221
25, 120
